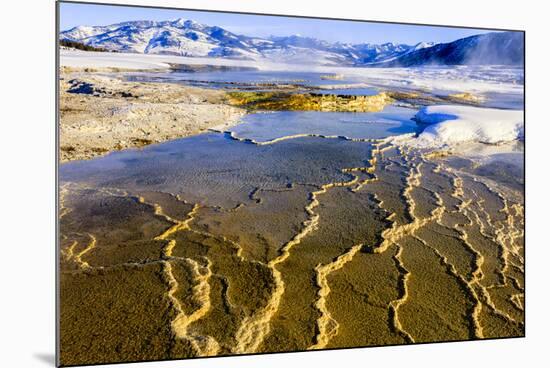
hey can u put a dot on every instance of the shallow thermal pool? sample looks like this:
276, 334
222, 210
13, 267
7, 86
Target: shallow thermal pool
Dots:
263, 127
243, 77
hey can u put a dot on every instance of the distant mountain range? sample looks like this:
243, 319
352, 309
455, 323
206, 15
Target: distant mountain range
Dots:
189, 38
502, 48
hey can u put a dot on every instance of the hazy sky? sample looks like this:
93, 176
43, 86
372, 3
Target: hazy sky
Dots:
72, 15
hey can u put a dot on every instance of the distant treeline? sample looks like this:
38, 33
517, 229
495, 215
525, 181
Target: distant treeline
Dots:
80, 46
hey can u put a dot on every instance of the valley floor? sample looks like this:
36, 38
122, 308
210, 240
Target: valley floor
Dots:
295, 230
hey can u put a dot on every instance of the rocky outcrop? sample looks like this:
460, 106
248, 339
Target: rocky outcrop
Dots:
101, 114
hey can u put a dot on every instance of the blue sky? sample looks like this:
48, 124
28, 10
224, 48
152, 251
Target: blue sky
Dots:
72, 15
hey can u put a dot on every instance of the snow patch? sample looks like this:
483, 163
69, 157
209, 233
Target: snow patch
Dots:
451, 124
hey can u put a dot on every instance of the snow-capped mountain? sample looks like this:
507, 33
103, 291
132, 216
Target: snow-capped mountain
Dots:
178, 37
189, 38
497, 48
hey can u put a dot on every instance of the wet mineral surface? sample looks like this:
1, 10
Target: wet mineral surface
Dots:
217, 245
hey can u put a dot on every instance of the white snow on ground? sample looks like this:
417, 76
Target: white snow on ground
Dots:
473, 79
88, 59
452, 124
440, 79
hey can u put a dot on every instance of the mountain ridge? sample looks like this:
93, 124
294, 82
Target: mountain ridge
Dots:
185, 37
500, 48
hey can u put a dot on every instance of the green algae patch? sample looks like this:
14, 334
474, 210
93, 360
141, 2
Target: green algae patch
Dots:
278, 101
417, 98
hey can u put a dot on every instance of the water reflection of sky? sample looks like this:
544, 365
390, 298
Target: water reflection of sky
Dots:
263, 127
251, 76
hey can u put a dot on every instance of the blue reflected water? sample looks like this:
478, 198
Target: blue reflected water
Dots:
262, 127
244, 77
